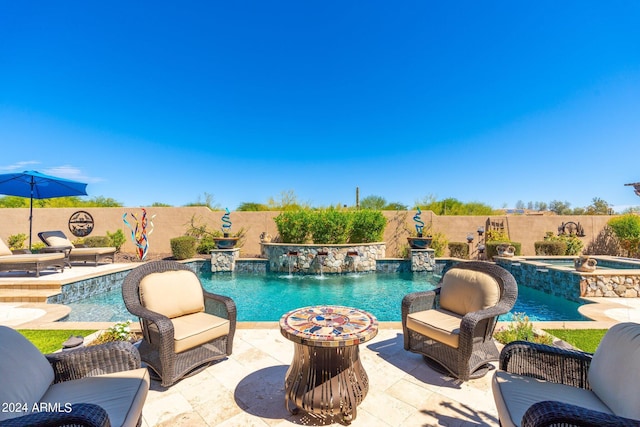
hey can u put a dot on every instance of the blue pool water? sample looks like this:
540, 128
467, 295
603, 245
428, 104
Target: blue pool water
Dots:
268, 297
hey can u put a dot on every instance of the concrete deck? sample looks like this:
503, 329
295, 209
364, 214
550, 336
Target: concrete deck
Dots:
247, 389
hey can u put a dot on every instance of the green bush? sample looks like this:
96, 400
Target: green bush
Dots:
294, 226
521, 329
627, 230
117, 239
459, 250
16, 241
330, 226
438, 244
367, 226
183, 247
97, 241
205, 245
492, 248
572, 244
550, 248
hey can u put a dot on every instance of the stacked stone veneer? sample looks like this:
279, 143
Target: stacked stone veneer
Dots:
338, 258
423, 260
224, 259
571, 284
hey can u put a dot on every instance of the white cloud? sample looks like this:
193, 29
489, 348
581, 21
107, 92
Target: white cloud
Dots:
72, 173
19, 166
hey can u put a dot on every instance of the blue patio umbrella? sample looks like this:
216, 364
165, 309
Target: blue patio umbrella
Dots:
36, 185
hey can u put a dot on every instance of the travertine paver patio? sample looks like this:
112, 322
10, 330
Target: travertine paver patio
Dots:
247, 389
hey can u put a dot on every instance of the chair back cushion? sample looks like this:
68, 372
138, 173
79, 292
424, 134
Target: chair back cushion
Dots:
4, 249
56, 238
172, 293
26, 374
614, 375
465, 291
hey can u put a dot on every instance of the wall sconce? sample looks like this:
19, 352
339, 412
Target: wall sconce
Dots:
469, 238
480, 231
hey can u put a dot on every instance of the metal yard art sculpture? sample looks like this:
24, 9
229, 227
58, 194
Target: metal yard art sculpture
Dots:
419, 223
226, 222
139, 233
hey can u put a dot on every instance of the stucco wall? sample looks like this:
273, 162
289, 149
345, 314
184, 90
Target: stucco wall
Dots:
173, 222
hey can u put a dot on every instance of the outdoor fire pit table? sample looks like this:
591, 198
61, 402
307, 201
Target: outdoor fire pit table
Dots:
326, 376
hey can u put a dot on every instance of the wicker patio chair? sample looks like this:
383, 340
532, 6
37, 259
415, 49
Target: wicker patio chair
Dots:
184, 326
452, 326
100, 385
540, 385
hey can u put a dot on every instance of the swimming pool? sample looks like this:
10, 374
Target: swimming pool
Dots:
266, 297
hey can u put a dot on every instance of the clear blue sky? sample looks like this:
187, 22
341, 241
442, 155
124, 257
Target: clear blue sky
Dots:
482, 101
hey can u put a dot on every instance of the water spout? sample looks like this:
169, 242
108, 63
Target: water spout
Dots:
320, 256
354, 255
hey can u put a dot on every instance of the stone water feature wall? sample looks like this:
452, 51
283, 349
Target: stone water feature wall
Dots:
570, 284
312, 259
423, 260
224, 259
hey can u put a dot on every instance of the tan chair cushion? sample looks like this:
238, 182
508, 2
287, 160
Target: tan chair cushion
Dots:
121, 394
438, 324
465, 291
25, 373
58, 241
92, 251
4, 249
172, 293
198, 328
514, 394
31, 258
613, 374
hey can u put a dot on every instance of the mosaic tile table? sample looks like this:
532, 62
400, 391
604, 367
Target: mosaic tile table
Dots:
326, 376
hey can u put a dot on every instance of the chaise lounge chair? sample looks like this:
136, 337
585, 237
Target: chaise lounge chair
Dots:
29, 262
56, 240
100, 385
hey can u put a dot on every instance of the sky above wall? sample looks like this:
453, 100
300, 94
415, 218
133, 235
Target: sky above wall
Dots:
168, 101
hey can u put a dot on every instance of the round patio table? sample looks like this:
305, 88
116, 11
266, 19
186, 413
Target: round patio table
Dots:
326, 376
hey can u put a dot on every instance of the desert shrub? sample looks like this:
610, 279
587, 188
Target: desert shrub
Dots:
35, 247
294, 226
572, 244
459, 250
97, 241
496, 236
521, 329
116, 239
118, 332
16, 241
330, 226
627, 230
183, 247
205, 245
492, 248
367, 226
438, 244
550, 248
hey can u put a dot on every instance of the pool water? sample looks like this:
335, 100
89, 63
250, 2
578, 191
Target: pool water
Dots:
268, 297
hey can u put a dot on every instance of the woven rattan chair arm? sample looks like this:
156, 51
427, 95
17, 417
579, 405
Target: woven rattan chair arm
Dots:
551, 413
219, 305
79, 414
546, 362
94, 360
419, 301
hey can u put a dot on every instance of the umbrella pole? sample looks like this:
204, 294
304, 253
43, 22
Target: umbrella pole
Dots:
31, 213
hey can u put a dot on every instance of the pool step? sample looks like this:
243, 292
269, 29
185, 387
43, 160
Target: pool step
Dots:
28, 292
